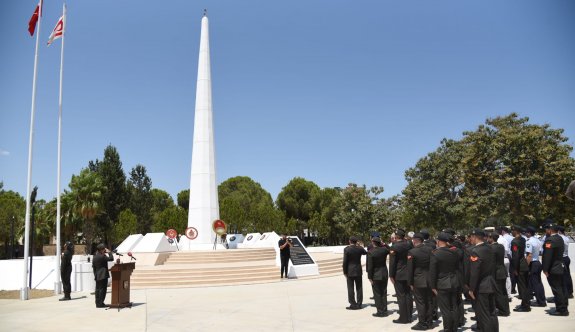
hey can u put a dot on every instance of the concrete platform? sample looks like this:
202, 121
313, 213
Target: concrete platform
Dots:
316, 304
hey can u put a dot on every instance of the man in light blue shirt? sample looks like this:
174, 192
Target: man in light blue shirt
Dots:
567, 280
532, 250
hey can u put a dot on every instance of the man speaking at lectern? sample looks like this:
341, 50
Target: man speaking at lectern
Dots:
101, 274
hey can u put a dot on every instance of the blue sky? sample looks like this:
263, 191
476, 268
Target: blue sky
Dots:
332, 91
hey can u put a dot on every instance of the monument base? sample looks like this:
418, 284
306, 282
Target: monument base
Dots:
186, 244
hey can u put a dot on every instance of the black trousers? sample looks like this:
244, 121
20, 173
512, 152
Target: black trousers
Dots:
65, 276
101, 288
379, 288
535, 284
485, 312
523, 289
404, 300
501, 297
447, 303
567, 280
354, 282
460, 311
556, 283
424, 305
284, 265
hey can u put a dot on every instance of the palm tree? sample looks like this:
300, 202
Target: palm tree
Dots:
86, 195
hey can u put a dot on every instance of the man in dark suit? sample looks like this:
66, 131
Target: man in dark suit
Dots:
501, 299
398, 275
284, 244
418, 259
520, 268
353, 271
101, 274
553, 269
482, 287
377, 274
66, 269
444, 281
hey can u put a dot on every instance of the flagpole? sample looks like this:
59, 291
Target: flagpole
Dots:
57, 284
24, 289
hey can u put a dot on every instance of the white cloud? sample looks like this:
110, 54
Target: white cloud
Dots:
4, 153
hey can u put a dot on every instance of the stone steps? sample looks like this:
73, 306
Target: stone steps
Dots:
218, 268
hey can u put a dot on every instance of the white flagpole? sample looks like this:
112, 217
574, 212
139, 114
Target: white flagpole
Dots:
57, 284
24, 289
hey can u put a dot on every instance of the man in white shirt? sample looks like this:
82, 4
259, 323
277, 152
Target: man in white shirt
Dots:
505, 239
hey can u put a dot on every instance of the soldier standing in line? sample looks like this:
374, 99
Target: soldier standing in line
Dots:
456, 242
553, 269
482, 286
532, 249
418, 278
431, 243
353, 272
398, 276
377, 275
520, 269
444, 282
501, 299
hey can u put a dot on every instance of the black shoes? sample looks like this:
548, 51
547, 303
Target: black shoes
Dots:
101, 306
559, 313
354, 307
419, 327
65, 298
399, 321
535, 304
380, 314
522, 309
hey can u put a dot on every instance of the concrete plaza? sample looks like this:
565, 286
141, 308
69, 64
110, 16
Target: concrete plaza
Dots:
315, 304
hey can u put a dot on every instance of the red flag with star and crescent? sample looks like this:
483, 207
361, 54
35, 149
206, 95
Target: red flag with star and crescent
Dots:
34, 18
58, 31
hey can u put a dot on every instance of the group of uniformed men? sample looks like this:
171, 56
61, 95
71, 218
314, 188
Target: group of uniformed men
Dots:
439, 273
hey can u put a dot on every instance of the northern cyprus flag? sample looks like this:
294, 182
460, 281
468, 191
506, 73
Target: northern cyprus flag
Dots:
58, 30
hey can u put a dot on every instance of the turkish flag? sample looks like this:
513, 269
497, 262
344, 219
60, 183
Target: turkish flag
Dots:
34, 19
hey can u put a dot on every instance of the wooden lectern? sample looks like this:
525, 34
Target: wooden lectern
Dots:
121, 284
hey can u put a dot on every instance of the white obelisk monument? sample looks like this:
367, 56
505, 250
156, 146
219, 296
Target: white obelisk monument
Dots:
204, 206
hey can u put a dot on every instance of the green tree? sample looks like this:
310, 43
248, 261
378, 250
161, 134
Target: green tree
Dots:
506, 171
86, 201
114, 198
140, 188
161, 200
184, 199
361, 211
432, 198
299, 200
127, 225
246, 207
172, 217
12, 210
323, 223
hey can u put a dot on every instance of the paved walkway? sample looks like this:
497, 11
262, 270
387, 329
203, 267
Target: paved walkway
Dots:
295, 305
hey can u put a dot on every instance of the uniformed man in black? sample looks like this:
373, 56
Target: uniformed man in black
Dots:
398, 275
553, 269
353, 272
418, 259
456, 242
444, 282
431, 243
520, 269
482, 287
501, 299
284, 244
377, 274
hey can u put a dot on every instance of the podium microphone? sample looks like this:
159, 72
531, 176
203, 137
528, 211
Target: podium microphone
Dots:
115, 251
132, 257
